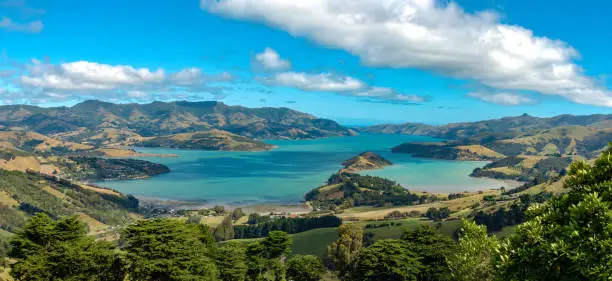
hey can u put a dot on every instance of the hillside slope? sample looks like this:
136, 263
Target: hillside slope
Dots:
25, 194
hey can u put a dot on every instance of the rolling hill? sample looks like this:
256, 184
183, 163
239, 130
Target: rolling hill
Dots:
99, 123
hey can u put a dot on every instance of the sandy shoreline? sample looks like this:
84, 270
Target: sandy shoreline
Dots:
292, 208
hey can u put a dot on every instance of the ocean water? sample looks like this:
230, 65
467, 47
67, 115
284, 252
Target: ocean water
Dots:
283, 175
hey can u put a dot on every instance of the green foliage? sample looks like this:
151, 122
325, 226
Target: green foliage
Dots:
358, 190
570, 236
231, 260
27, 189
286, 224
343, 254
438, 214
166, 249
103, 168
225, 230
432, 248
264, 258
305, 268
237, 214
219, 210
59, 250
475, 253
386, 260
513, 215
276, 244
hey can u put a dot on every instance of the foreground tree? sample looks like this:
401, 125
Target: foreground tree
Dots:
59, 250
387, 260
570, 236
432, 248
342, 255
475, 253
265, 259
305, 268
231, 258
166, 249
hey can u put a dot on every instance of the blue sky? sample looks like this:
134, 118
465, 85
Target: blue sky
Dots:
355, 61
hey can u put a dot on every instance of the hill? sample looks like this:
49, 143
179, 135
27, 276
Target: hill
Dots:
25, 194
506, 126
365, 161
209, 140
99, 123
346, 190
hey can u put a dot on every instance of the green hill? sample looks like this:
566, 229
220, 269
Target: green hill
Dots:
25, 194
365, 161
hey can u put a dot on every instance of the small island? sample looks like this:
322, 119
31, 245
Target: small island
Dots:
365, 161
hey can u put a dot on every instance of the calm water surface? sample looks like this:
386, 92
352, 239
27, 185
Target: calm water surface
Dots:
284, 174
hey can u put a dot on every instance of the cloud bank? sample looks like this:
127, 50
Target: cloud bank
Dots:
432, 36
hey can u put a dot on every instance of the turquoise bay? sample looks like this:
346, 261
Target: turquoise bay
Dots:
285, 174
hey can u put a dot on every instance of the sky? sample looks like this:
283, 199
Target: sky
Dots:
359, 62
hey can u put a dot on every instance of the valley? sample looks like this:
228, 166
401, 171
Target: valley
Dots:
275, 169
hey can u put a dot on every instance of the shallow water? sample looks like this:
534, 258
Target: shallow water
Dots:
286, 173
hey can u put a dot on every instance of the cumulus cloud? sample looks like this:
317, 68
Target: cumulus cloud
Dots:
90, 79
83, 75
10, 25
269, 59
433, 36
503, 98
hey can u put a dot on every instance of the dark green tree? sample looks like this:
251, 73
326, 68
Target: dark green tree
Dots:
167, 249
265, 258
231, 260
432, 248
386, 260
305, 268
59, 250
570, 236
225, 230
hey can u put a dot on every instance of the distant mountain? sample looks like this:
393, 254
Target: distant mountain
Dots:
504, 127
99, 123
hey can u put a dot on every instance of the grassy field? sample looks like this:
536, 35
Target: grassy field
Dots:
461, 205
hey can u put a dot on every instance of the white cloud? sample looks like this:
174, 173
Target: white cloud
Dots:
195, 76
323, 82
83, 75
343, 85
269, 59
389, 94
10, 25
137, 94
96, 80
503, 98
432, 36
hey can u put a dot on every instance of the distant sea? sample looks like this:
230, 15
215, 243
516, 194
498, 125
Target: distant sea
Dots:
283, 175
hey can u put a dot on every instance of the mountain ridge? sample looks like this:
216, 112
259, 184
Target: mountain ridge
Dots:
99, 123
